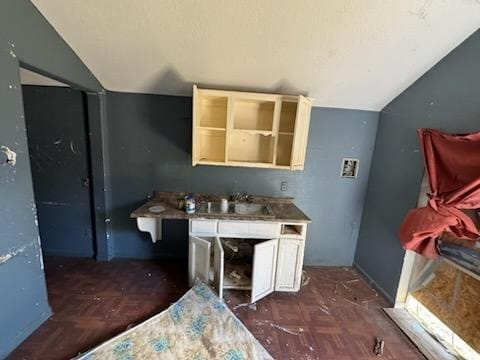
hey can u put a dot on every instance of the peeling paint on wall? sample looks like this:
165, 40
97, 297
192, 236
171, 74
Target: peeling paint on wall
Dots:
4, 258
11, 155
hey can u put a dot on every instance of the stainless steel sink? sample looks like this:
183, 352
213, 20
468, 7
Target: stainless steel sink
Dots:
237, 208
249, 209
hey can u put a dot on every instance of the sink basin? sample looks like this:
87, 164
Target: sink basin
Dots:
248, 209
241, 208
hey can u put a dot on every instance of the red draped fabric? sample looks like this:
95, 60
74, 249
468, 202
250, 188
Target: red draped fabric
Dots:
452, 163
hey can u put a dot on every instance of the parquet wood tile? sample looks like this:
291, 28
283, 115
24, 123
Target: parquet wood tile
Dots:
334, 316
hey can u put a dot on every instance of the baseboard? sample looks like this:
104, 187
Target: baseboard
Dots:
10, 344
152, 256
374, 284
50, 252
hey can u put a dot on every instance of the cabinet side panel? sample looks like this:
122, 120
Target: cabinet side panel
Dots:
289, 266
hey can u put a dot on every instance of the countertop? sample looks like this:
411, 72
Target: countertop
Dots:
283, 208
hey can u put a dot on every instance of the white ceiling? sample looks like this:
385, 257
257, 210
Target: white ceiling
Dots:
28, 77
345, 53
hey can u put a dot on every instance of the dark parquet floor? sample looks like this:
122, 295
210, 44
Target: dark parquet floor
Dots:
335, 315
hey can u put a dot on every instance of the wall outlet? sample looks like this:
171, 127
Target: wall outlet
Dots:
284, 186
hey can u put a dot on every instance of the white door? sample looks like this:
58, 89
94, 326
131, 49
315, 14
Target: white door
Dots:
289, 265
218, 258
198, 259
264, 268
300, 135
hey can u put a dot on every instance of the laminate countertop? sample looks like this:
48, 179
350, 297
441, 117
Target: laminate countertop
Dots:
282, 209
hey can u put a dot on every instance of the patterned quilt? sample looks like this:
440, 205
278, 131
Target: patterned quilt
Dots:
199, 326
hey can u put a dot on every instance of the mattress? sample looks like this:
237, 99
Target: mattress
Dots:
199, 326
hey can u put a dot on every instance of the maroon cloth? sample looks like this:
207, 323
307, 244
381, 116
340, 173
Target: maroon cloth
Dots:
452, 163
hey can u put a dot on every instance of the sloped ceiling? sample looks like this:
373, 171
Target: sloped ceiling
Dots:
345, 53
28, 77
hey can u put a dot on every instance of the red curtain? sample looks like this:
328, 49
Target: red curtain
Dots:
452, 163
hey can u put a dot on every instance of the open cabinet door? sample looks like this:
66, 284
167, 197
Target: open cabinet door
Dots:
198, 259
218, 258
264, 268
300, 135
195, 119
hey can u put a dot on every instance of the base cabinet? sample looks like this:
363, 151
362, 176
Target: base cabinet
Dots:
260, 266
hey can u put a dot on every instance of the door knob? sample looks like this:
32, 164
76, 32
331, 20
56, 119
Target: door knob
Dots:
86, 182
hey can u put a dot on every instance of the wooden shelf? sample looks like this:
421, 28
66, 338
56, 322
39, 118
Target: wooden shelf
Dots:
210, 128
255, 132
250, 164
250, 147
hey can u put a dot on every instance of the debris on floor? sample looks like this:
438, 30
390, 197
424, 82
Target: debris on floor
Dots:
276, 326
250, 306
379, 345
305, 278
283, 329
234, 274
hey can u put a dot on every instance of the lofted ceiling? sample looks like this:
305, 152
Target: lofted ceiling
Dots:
356, 54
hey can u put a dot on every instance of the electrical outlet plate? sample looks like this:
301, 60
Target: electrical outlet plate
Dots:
283, 186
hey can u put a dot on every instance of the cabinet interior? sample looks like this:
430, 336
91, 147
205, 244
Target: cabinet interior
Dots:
250, 147
291, 229
287, 117
213, 112
211, 145
284, 149
253, 115
238, 262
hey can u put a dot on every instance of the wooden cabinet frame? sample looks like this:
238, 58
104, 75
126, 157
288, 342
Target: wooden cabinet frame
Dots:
277, 256
232, 128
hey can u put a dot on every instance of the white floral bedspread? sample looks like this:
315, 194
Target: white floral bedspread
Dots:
199, 326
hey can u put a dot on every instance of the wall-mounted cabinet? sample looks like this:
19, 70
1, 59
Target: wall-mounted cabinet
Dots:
232, 128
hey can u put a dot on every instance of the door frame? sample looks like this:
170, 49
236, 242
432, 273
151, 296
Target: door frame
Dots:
96, 123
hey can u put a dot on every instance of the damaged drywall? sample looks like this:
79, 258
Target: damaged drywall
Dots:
10, 155
26, 38
5, 257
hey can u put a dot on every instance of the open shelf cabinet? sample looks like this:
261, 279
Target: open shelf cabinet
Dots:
232, 128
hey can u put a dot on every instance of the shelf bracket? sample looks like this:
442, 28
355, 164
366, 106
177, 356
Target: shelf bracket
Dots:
152, 226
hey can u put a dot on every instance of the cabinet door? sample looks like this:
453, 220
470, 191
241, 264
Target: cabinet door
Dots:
289, 265
198, 259
195, 120
218, 265
264, 268
300, 135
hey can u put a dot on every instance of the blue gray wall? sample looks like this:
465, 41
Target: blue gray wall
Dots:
445, 98
26, 37
149, 140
